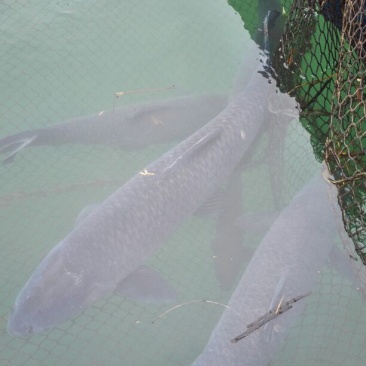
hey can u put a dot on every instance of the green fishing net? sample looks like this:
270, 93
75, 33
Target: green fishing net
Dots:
321, 62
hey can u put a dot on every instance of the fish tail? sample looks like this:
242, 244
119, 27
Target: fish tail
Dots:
12, 144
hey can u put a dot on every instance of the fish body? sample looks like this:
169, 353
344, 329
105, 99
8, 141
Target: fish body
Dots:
286, 263
117, 237
129, 127
228, 251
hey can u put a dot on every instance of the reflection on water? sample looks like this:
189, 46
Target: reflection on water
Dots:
67, 59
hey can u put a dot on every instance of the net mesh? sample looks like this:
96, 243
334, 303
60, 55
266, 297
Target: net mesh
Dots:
321, 63
69, 58
345, 144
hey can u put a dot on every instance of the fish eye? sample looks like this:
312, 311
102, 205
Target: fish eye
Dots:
29, 330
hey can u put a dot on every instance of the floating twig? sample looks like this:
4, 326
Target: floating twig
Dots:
268, 316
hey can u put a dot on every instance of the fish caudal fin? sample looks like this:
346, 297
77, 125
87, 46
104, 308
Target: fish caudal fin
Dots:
11, 145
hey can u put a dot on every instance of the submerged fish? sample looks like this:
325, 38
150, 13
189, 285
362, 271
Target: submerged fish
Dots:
129, 127
112, 242
228, 251
284, 266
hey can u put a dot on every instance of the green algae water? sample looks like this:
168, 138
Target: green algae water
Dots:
64, 59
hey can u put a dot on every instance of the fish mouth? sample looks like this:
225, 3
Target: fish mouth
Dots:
26, 326
25, 331
17, 328
22, 332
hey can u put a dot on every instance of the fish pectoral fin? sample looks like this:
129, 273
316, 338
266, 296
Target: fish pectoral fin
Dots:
214, 205
276, 302
147, 111
146, 285
229, 258
193, 149
12, 147
257, 223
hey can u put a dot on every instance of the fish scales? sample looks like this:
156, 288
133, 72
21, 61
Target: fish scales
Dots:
297, 245
129, 127
130, 225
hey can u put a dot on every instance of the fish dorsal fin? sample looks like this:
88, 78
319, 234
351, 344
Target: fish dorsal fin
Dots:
256, 223
146, 110
85, 212
146, 285
209, 137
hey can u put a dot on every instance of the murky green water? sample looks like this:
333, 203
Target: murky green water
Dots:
67, 58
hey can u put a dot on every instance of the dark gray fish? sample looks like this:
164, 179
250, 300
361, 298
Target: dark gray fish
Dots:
116, 238
129, 127
284, 266
230, 248
229, 252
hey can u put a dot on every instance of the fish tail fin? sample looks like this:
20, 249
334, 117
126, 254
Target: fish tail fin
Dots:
11, 145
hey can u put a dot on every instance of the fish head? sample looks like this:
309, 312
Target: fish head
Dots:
53, 294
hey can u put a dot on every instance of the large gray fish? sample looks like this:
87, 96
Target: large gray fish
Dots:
286, 264
228, 251
117, 237
129, 127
